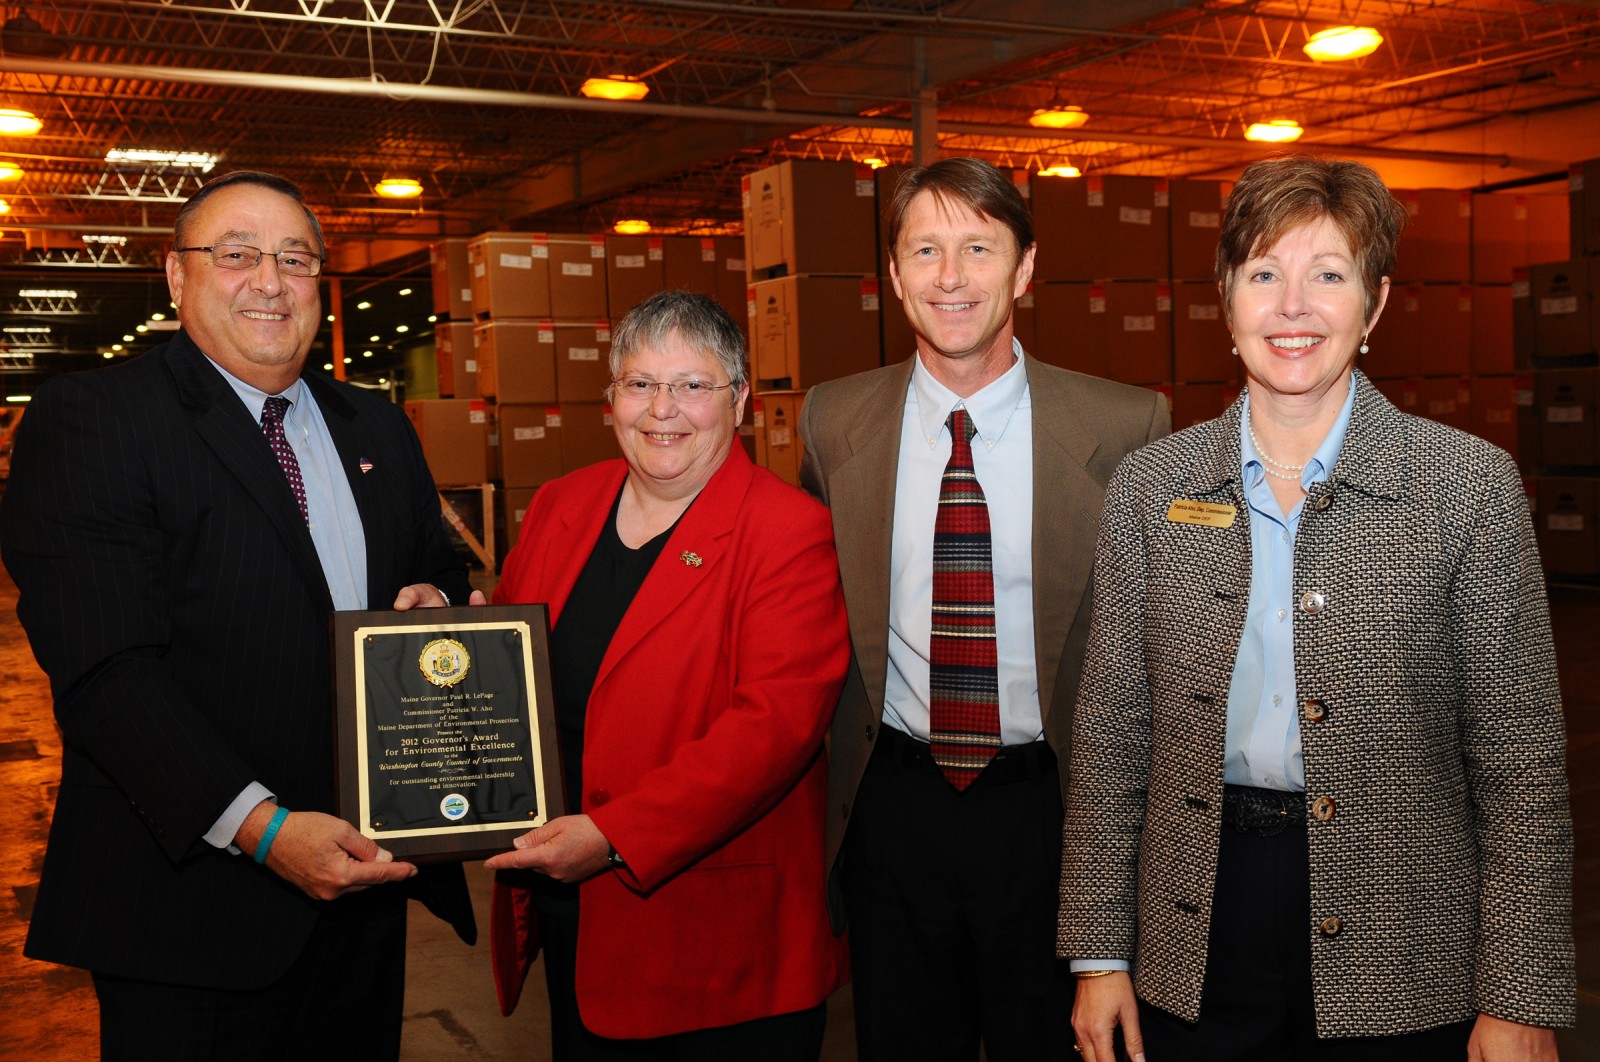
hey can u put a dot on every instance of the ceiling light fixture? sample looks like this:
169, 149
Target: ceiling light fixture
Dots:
1276, 131
1058, 117
5, 207
363, 305
203, 161
632, 227
47, 293
1063, 170
1343, 42
398, 188
14, 121
615, 87
9, 171
27, 330
875, 161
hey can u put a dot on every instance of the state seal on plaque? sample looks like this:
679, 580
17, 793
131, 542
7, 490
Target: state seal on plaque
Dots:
444, 662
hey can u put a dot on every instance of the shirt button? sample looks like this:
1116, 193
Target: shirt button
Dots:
1277, 698
1312, 602
1283, 613
1286, 536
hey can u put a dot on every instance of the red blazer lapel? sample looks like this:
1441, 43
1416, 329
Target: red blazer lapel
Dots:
578, 532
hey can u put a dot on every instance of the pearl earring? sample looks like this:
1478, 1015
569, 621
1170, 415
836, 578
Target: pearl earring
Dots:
1364, 342
1236, 352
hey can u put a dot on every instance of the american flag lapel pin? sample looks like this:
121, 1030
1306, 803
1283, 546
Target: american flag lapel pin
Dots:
365, 464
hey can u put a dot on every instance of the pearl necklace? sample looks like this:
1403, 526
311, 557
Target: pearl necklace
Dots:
1269, 465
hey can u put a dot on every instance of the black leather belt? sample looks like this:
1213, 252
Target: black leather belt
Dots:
1013, 763
1263, 812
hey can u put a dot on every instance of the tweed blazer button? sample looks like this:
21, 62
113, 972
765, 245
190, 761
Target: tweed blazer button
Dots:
1316, 709
1312, 602
1330, 927
1322, 504
1322, 808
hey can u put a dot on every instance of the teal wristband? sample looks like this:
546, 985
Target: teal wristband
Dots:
264, 845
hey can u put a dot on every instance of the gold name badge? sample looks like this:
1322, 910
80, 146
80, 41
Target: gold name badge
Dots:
1206, 514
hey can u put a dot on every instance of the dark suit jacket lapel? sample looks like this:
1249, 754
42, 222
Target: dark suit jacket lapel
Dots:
705, 532
222, 422
863, 485
1065, 438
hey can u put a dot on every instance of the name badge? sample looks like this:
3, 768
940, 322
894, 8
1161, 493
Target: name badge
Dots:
1206, 514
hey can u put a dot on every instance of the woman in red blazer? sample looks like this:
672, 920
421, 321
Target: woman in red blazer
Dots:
698, 646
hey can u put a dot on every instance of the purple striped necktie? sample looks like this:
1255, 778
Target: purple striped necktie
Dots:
272, 423
963, 679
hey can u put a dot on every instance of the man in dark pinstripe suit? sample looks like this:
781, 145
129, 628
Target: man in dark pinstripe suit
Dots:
176, 576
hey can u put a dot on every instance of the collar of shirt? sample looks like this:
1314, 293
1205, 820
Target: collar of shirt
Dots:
255, 399
1254, 471
991, 407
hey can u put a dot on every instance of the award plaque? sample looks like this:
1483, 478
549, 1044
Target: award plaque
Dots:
446, 746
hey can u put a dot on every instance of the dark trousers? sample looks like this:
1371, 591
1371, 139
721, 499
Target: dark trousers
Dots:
951, 899
341, 1000
1257, 1002
795, 1037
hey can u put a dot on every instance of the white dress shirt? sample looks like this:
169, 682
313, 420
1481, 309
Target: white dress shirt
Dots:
1002, 458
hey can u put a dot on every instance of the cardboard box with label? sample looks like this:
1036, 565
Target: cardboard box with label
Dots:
1196, 213
1565, 403
577, 277
1564, 524
454, 434
514, 503
583, 360
510, 275
1121, 330
777, 432
1202, 349
587, 435
1563, 307
808, 329
1436, 245
1101, 228
530, 443
1444, 322
516, 360
452, 277
810, 216
458, 361
1493, 415
636, 268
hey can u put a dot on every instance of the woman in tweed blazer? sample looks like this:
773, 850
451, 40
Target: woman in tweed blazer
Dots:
1318, 798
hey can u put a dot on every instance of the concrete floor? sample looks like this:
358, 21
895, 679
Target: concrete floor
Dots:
49, 1012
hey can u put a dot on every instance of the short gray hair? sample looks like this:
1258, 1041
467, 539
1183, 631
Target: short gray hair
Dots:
698, 319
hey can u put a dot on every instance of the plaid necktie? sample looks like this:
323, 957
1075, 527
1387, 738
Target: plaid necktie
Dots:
272, 423
964, 684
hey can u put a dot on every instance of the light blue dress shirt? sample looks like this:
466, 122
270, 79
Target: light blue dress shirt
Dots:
335, 525
1002, 458
1263, 735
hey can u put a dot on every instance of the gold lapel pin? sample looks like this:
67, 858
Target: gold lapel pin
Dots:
690, 557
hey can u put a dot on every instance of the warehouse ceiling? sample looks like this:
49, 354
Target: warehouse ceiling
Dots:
478, 100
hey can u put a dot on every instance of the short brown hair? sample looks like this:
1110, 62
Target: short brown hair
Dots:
973, 183
1276, 195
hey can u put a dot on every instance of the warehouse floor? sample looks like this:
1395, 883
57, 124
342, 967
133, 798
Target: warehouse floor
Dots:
450, 1010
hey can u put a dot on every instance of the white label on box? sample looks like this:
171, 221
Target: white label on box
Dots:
736, 265
1163, 303
1205, 219
546, 333
605, 418
1163, 198
708, 254
1139, 322
1097, 305
1203, 313
519, 514
630, 261
1096, 198
584, 354
552, 420
527, 434
1134, 215
1564, 415
516, 261
655, 253
602, 333
478, 270
541, 250
1553, 307
1564, 522
759, 415
1525, 397
597, 249
1464, 304
865, 189
779, 437
577, 269
466, 293
869, 302
476, 416
1520, 289
472, 364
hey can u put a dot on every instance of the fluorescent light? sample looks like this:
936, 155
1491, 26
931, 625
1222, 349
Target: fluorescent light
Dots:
27, 330
114, 241
47, 293
1343, 42
14, 121
203, 161
18, 398
1276, 131
616, 87
1058, 117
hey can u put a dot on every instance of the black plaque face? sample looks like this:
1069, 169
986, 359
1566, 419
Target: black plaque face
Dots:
446, 740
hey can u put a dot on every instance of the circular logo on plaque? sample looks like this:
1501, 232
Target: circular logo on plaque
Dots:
444, 661
453, 806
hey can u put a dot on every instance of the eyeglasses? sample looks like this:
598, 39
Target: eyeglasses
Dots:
689, 392
243, 256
